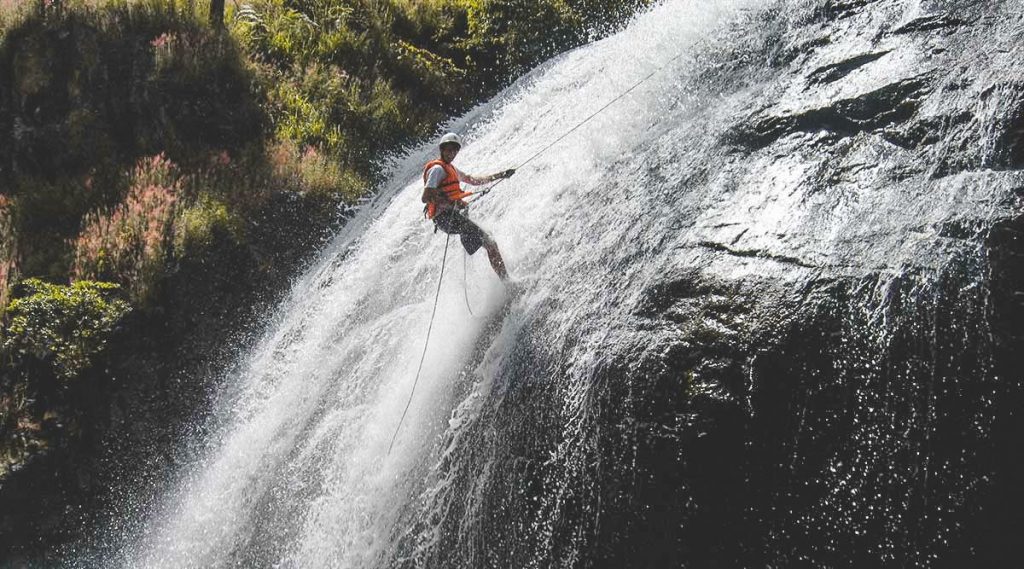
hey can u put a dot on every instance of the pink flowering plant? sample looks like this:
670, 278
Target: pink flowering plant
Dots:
129, 243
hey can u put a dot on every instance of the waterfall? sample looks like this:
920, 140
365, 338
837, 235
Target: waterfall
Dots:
753, 326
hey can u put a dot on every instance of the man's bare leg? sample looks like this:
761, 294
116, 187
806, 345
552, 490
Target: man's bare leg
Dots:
494, 256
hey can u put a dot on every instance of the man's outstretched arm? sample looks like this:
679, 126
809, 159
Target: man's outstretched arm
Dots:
479, 181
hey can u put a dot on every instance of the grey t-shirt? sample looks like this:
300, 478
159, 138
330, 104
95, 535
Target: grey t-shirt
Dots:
436, 175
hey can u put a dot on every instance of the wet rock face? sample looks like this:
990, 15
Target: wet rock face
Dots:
860, 411
889, 105
828, 373
880, 69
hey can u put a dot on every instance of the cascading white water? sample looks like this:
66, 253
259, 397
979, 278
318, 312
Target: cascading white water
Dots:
298, 473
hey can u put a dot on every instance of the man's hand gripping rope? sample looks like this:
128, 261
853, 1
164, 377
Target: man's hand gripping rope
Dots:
498, 178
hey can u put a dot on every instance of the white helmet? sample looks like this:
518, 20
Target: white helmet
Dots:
450, 137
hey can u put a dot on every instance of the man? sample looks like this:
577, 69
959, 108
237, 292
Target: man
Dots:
442, 192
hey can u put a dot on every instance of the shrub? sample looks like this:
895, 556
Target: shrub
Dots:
314, 173
52, 333
128, 245
62, 326
89, 89
196, 225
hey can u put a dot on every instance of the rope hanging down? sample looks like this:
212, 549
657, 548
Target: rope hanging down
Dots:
483, 193
465, 281
425, 344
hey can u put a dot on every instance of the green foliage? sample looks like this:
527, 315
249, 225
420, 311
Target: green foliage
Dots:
358, 78
197, 224
337, 77
315, 173
51, 334
300, 116
85, 93
113, 85
62, 326
508, 37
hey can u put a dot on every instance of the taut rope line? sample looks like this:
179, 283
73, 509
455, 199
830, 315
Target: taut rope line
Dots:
483, 193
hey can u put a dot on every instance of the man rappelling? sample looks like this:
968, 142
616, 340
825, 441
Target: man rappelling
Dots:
443, 194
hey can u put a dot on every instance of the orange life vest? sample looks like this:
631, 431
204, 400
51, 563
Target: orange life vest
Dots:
450, 185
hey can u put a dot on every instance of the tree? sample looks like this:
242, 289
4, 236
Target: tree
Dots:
217, 13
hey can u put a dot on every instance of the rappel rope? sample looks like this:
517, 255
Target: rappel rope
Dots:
465, 281
425, 344
476, 197
486, 191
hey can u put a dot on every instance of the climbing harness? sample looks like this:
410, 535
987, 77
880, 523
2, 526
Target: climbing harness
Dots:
425, 344
479, 195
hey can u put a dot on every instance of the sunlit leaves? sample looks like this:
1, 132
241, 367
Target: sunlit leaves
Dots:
65, 326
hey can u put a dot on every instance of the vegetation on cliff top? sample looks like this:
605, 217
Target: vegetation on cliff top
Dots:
307, 97
136, 139
53, 332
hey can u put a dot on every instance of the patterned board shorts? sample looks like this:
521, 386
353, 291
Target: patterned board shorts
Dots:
453, 222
